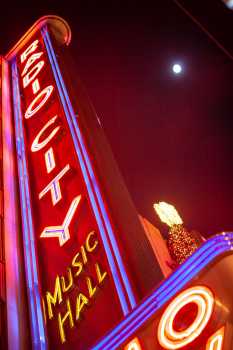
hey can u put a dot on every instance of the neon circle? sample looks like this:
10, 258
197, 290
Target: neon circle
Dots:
200, 302
47, 92
171, 339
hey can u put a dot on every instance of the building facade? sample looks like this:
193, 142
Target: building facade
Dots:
79, 268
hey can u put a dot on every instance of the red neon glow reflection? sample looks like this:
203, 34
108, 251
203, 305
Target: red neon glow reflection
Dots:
204, 300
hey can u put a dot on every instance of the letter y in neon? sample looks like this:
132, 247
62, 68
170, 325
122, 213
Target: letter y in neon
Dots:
62, 231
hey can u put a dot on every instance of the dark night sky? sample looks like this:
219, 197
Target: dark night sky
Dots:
171, 135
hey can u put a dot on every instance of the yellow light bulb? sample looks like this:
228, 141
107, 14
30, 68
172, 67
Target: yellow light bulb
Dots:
168, 214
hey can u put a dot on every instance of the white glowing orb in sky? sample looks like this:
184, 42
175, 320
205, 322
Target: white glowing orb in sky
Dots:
177, 69
229, 3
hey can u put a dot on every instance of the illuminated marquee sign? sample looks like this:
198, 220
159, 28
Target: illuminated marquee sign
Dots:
73, 265
190, 310
79, 292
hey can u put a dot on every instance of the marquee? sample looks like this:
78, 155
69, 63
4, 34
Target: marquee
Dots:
85, 253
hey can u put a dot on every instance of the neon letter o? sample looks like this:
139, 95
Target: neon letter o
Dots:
34, 107
172, 339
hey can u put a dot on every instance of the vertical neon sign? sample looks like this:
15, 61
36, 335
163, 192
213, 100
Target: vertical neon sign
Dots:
74, 268
62, 207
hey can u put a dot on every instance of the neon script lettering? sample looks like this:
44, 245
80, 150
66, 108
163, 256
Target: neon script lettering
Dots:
33, 67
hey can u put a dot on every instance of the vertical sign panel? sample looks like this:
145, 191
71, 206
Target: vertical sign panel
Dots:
77, 283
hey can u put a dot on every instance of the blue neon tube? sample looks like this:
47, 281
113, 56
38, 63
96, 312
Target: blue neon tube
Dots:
89, 178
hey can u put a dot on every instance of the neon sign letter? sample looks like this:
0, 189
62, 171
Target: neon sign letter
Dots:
49, 160
62, 231
133, 345
54, 186
36, 145
215, 342
171, 339
31, 48
29, 77
30, 61
46, 92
